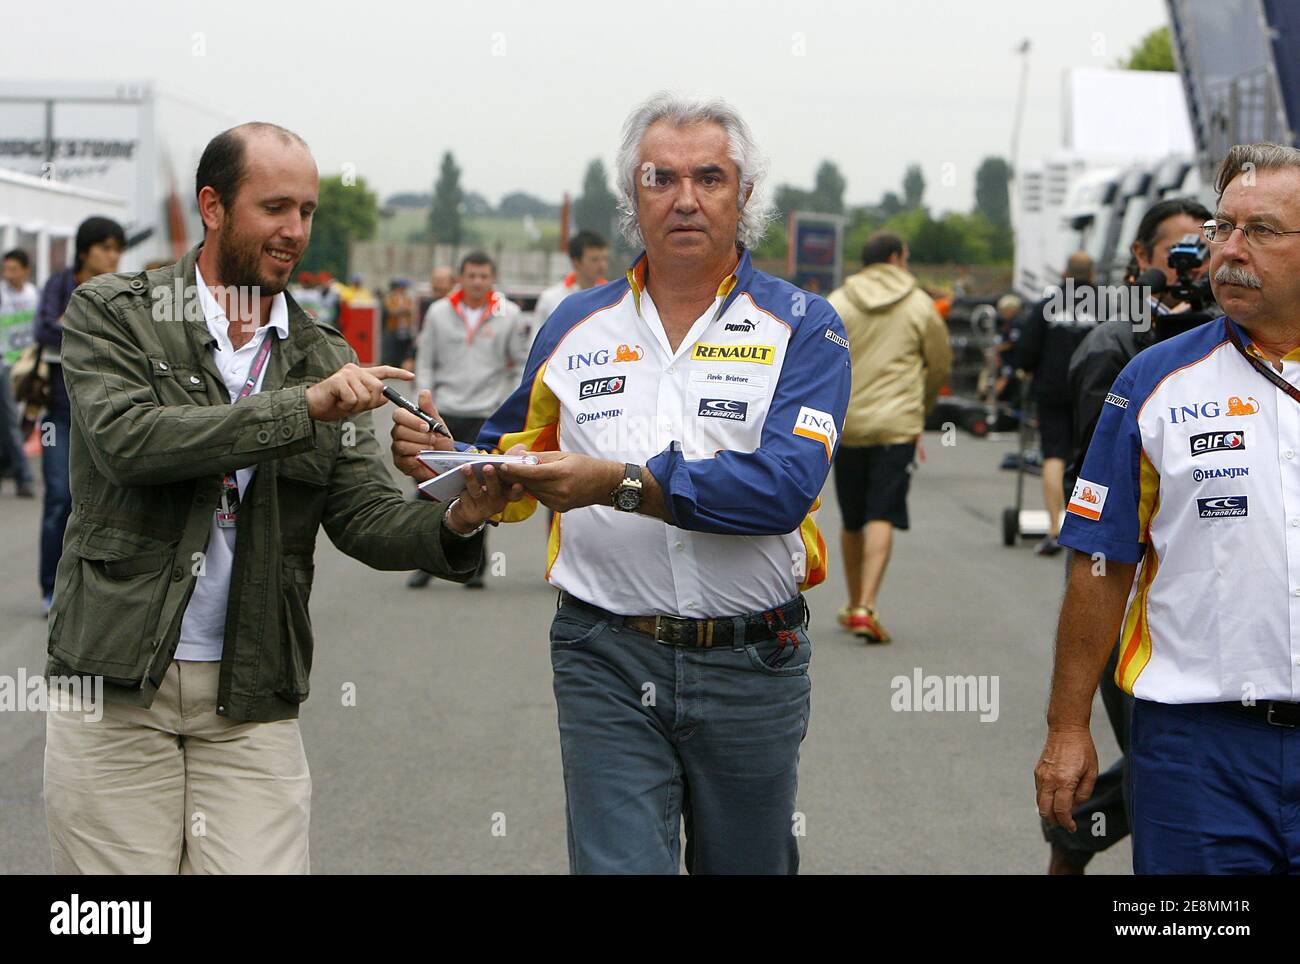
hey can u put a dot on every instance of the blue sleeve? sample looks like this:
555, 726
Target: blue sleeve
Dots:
1113, 498
54, 302
770, 490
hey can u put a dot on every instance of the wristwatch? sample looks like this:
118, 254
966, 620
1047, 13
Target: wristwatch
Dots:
627, 497
460, 535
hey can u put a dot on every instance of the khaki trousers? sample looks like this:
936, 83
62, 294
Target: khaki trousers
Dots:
175, 787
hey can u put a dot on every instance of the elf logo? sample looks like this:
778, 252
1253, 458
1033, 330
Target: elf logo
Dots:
1218, 442
596, 387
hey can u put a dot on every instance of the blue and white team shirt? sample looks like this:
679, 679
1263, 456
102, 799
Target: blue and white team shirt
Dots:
738, 425
1194, 472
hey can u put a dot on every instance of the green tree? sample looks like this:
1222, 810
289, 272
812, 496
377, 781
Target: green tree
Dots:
445, 215
347, 212
790, 198
913, 186
993, 202
1155, 51
863, 222
775, 244
890, 205
596, 207
828, 189
991, 196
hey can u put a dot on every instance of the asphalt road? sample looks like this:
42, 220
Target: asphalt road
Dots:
454, 722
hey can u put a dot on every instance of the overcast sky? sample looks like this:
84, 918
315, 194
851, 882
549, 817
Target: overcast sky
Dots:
526, 93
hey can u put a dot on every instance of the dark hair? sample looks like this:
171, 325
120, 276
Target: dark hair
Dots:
19, 255
880, 247
1156, 215
222, 165
96, 230
477, 257
584, 241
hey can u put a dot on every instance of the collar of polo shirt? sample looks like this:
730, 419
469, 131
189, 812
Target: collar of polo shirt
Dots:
639, 271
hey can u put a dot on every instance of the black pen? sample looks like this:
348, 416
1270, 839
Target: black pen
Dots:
401, 401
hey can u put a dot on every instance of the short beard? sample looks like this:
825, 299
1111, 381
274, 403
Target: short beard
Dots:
237, 259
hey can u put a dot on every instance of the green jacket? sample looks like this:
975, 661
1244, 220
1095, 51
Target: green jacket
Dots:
153, 432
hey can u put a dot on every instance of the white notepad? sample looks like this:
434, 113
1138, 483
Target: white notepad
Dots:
449, 483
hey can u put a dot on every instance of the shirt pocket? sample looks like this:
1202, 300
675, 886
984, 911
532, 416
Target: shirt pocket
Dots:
723, 415
176, 383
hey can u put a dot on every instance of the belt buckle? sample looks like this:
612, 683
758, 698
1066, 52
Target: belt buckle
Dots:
659, 624
1271, 722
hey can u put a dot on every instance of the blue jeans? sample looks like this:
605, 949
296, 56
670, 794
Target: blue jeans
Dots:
652, 735
1213, 792
54, 429
12, 457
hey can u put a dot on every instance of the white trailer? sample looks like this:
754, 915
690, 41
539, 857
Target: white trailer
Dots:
41, 217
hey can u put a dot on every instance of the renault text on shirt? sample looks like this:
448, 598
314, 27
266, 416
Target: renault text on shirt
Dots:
738, 426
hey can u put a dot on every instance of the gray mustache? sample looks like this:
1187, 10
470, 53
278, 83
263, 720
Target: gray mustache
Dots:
1232, 275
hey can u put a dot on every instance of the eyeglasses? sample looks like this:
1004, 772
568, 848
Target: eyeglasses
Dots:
1218, 232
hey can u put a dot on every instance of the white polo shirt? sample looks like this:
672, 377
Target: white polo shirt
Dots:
738, 425
203, 628
1194, 471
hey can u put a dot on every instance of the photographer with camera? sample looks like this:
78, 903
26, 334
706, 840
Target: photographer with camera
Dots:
1168, 280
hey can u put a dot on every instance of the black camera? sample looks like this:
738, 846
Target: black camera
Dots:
1188, 254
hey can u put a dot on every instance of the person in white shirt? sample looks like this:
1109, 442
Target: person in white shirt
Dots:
589, 255
471, 350
683, 419
18, 298
1185, 521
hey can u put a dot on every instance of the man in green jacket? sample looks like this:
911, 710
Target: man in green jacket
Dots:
215, 428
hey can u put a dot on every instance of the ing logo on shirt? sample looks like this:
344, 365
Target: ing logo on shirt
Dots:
1237, 407
601, 356
1212, 409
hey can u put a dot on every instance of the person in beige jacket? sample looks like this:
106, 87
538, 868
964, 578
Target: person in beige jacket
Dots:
898, 343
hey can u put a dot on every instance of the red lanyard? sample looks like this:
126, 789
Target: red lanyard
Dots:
255, 369
229, 483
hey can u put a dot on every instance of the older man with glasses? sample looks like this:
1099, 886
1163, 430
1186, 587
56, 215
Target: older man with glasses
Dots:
1186, 526
684, 417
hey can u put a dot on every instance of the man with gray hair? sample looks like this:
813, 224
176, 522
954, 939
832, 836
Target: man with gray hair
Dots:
1191, 484
684, 419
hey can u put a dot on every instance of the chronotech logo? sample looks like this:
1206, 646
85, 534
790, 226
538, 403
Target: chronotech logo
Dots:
1221, 506
728, 408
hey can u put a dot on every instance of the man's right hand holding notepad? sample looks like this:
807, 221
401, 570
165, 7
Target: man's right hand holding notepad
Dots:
482, 491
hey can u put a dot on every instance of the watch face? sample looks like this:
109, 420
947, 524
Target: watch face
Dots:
627, 500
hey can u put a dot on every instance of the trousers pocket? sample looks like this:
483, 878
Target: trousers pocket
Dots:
772, 659
297, 643
569, 631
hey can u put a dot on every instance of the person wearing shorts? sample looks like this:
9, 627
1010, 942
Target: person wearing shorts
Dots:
898, 342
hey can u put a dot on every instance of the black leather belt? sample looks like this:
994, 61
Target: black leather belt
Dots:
1272, 712
705, 633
